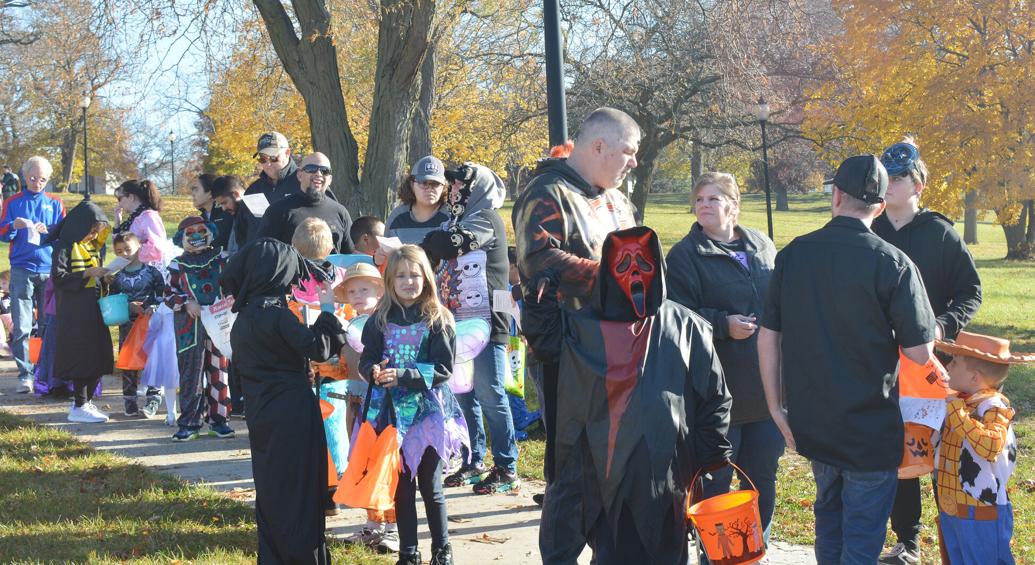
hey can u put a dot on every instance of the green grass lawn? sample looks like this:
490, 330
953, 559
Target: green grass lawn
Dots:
62, 501
111, 519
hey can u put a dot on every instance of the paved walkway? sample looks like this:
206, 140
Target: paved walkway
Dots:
500, 529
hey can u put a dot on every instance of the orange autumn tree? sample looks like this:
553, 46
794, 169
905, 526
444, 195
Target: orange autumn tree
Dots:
958, 75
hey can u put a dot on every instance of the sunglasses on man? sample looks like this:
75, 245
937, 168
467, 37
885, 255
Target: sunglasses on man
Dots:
263, 159
313, 169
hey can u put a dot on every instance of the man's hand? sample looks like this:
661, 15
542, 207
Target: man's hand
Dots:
780, 419
22, 223
193, 309
741, 327
41, 227
95, 272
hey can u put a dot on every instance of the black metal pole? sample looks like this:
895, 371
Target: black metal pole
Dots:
172, 166
86, 161
765, 169
556, 107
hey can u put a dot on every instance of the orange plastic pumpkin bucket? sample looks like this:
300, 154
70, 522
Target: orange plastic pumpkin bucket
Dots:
729, 525
35, 345
917, 453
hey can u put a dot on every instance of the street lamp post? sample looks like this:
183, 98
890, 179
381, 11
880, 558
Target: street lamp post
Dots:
172, 161
762, 113
556, 106
84, 103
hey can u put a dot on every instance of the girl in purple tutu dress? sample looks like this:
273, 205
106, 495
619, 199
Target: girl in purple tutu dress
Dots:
408, 347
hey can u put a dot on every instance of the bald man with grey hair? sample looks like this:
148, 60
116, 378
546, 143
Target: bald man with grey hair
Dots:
285, 215
561, 220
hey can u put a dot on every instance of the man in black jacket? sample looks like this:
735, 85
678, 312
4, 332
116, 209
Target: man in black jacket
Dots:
953, 287
284, 216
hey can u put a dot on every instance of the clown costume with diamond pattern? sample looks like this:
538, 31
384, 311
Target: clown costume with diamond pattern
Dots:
194, 276
423, 410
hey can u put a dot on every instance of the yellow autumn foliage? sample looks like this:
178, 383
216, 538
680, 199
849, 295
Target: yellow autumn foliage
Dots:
955, 74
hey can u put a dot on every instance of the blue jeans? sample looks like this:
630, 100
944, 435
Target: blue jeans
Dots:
852, 510
973, 542
757, 447
490, 368
26, 294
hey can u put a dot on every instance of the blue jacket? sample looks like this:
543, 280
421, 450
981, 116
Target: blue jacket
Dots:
37, 207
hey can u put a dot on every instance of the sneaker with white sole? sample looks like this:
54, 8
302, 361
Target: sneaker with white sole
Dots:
25, 385
150, 407
388, 542
366, 536
81, 415
900, 555
95, 412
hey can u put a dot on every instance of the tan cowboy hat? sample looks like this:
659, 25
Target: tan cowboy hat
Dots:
994, 349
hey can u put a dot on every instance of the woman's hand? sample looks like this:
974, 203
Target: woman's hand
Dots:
118, 214
741, 327
193, 309
95, 272
384, 377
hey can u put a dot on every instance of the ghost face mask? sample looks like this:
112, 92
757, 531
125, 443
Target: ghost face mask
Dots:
633, 265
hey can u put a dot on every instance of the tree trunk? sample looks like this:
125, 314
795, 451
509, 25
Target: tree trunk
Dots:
644, 176
970, 234
1017, 247
68, 150
696, 163
403, 43
782, 205
1030, 238
311, 61
420, 137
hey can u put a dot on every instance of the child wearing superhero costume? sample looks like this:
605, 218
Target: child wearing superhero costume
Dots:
642, 406
193, 283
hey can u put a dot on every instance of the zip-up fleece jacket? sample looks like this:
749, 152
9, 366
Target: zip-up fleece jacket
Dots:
36, 207
945, 265
707, 280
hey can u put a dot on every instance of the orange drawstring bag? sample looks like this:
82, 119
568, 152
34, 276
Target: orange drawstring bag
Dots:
372, 475
132, 356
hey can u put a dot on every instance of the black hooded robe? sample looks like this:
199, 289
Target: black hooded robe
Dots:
81, 339
285, 430
642, 404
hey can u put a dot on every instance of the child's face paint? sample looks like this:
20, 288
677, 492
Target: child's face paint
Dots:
409, 282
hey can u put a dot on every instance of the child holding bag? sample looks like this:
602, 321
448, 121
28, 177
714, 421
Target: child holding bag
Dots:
407, 357
144, 285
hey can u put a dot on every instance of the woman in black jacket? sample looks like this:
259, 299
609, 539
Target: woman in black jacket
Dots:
721, 271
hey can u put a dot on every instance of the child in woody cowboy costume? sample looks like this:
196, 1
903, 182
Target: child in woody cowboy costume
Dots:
977, 452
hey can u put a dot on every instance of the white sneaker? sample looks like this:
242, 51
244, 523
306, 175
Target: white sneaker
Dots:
25, 385
92, 409
81, 415
389, 542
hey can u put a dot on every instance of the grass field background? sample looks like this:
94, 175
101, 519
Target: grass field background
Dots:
109, 521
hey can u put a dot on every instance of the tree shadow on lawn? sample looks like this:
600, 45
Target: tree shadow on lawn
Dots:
61, 501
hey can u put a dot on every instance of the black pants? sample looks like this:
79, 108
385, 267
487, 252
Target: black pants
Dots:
429, 477
545, 376
83, 390
905, 514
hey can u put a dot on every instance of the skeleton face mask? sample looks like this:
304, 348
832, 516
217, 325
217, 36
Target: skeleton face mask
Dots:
633, 266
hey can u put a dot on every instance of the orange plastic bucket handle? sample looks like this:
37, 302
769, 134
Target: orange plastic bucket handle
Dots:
693, 482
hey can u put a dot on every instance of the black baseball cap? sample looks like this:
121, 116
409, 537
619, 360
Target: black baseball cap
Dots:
862, 176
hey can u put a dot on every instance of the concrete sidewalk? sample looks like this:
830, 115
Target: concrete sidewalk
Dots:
499, 529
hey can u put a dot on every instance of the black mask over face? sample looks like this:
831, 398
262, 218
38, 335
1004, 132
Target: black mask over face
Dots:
630, 285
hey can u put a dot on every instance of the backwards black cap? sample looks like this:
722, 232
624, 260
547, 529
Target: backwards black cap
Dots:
862, 176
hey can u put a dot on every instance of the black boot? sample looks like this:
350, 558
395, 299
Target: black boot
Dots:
442, 555
409, 559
